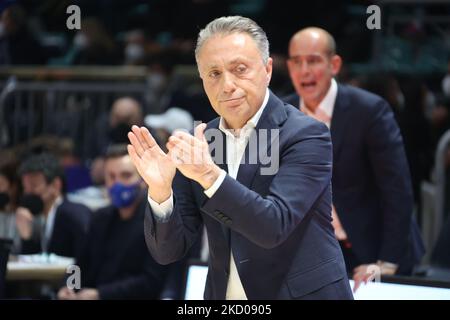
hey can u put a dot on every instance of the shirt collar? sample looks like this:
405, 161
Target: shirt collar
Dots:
252, 122
327, 103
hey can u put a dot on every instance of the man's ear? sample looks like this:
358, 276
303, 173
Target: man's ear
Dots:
336, 64
57, 184
269, 69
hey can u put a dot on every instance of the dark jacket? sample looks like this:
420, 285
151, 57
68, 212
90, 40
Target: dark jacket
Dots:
277, 224
371, 182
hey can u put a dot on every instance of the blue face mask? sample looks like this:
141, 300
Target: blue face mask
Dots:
122, 195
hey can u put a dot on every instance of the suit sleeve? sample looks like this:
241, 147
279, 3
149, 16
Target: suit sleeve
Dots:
171, 239
391, 171
305, 163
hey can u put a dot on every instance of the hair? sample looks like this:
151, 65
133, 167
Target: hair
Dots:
8, 166
45, 163
234, 24
116, 151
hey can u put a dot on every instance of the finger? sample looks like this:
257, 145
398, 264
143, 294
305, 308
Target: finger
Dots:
148, 138
175, 155
185, 136
181, 144
356, 285
135, 159
199, 131
134, 140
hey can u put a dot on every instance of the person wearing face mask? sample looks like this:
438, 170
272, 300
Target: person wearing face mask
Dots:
134, 50
125, 112
115, 262
61, 226
372, 193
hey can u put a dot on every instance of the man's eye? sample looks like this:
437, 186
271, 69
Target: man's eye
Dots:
214, 74
241, 69
313, 60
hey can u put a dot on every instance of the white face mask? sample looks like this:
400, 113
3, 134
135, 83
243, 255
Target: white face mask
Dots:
446, 85
133, 52
80, 40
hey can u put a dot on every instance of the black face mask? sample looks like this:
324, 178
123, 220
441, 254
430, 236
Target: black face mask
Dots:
4, 200
32, 202
119, 133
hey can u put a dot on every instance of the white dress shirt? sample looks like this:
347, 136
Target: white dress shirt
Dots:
49, 223
324, 110
236, 141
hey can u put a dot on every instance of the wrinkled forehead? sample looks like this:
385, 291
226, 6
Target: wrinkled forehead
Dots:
227, 48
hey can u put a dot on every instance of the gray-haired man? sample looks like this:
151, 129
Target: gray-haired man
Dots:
270, 235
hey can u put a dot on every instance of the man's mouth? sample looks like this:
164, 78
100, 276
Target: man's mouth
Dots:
230, 99
308, 84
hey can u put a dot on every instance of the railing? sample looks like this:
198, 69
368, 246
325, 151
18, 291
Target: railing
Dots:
66, 102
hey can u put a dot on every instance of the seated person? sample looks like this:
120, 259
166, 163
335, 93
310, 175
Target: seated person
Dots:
60, 226
115, 263
9, 187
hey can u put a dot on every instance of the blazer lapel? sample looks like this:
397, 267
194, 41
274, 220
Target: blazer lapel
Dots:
218, 151
272, 116
339, 121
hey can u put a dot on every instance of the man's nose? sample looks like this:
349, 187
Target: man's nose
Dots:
229, 84
304, 68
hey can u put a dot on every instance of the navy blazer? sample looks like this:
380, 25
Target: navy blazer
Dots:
371, 182
69, 231
278, 226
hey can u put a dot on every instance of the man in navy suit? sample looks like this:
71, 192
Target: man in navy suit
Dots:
61, 226
268, 218
372, 195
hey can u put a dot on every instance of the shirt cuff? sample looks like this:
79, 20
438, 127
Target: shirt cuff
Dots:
163, 210
212, 190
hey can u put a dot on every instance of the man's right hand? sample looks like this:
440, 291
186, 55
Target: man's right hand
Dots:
154, 166
24, 223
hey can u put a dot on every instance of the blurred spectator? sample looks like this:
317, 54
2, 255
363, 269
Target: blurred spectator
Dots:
134, 48
96, 195
116, 263
17, 44
166, 123
112, 128
47, 222
92, 45
9, 188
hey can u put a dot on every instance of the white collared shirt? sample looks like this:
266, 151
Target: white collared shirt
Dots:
49, 223
325, 107
236, 145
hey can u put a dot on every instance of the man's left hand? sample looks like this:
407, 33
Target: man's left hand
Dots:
368, 272
191, 156
88, 294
